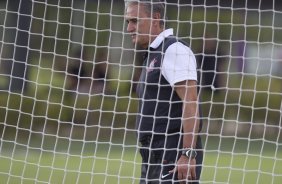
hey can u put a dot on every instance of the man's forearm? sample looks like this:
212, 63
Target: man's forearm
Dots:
190, 125
187, 91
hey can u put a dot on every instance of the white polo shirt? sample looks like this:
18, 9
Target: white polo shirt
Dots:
179, 62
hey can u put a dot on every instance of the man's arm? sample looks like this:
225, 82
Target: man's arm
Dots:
187, 91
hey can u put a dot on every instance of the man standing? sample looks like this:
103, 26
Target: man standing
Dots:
168, 120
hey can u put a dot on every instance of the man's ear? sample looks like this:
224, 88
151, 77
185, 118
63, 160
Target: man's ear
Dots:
156, 18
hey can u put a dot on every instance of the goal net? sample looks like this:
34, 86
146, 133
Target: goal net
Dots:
68, 75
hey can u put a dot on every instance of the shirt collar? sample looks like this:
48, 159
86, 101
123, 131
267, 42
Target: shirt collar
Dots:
160, 38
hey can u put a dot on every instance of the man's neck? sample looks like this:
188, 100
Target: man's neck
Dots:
155, 35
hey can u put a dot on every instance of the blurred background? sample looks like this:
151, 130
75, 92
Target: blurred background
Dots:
68, 74
68, 69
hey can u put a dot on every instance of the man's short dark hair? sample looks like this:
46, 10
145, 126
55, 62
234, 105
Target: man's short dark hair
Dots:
151, 7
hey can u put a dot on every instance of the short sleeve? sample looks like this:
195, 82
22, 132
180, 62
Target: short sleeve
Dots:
179, 64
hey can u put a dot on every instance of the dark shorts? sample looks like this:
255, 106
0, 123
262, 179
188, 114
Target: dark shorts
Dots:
159, 157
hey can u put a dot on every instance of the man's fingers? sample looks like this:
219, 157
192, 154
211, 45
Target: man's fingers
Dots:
183, 175
187, 175
173, 170
193, 174
179, 176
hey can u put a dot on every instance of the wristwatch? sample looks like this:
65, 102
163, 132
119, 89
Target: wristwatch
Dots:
189, 152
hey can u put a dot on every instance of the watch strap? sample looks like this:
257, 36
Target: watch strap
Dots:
189, 152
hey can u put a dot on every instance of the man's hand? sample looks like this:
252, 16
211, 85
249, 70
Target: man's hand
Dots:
186, 169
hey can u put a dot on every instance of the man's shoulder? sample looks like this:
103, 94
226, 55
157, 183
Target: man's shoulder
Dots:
173, 39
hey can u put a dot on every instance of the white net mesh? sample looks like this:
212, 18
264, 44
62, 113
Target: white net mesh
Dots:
68, 74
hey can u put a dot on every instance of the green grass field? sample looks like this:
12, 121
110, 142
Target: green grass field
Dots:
236, 162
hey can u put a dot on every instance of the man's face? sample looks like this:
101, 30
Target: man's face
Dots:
138, 25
